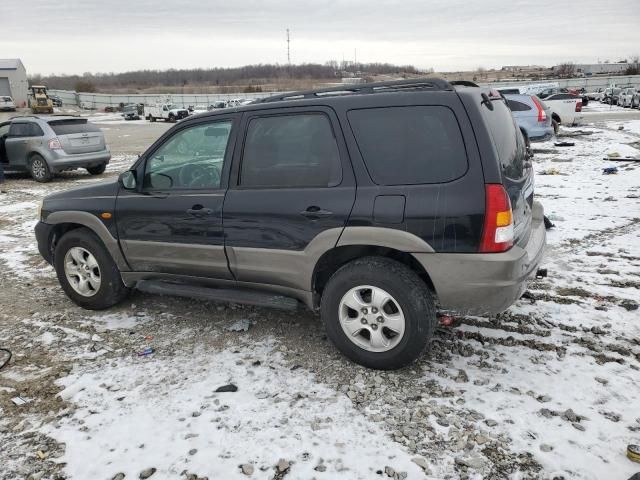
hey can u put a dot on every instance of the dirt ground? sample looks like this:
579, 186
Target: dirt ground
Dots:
548, 389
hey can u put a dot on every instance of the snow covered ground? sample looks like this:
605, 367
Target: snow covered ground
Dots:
549, 389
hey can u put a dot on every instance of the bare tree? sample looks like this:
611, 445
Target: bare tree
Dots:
566, 69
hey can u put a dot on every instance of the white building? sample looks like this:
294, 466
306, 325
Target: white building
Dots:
587, 69
13, 81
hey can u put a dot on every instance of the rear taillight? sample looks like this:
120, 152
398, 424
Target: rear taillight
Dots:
579, 106
54, 144
542, 115
497, 234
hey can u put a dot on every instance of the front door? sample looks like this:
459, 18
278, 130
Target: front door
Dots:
173, 222
290, 196
22, 139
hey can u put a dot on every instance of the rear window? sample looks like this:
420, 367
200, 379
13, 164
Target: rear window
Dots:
507, 139
410, 145
66, 127
516, 106
6, 99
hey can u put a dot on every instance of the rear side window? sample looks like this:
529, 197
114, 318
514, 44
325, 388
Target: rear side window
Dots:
290, 151
516, 106
67, 127
410, 145
507, 139
25, 130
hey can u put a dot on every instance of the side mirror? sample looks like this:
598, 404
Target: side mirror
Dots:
128, 180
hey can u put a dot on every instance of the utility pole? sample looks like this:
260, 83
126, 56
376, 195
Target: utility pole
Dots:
288, 48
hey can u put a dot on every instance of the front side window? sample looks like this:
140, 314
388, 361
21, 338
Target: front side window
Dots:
410, 145
190, 159
290, 151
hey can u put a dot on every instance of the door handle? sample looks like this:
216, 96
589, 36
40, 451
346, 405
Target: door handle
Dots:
199, 210
315, 212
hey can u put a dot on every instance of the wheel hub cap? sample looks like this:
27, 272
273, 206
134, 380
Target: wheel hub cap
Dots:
82, 271
371, 318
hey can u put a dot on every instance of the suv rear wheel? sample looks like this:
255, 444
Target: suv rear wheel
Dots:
39, 169
378, 312
86, 271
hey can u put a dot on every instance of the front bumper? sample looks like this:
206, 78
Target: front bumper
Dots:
60, 161
44, 232
486, 283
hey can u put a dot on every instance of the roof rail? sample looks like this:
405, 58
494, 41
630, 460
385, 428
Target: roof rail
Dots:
23, 116
364, 88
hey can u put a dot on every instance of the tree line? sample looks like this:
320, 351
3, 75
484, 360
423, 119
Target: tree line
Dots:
246, 75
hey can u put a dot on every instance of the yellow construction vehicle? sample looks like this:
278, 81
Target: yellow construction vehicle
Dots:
39, 101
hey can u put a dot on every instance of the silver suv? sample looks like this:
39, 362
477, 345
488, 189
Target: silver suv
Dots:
46, 146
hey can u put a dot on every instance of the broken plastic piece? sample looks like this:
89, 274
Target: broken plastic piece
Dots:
446, 320
146, 351
609, 171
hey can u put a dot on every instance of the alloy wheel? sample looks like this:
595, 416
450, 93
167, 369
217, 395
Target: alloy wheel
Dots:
371, 318
82, 271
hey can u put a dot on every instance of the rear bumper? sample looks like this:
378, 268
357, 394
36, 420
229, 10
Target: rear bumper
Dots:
59, 161
486, 283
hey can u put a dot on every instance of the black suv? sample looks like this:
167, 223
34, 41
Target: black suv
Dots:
373, 204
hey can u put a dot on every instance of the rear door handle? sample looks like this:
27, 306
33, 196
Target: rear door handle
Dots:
199, 210
314, 212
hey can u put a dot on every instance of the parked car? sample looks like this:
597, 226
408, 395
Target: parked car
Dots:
565, 108
219, 104
131, 112
199, 109
546, 93
165, 111
56, 100
611, 95
48, 145
595, 94
635, 101
262, 201
531, 116
7, 104
625, 97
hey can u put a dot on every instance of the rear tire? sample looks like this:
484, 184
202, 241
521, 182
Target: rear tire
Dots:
98, 169
102, 275
39, 169
152, 118
408, 303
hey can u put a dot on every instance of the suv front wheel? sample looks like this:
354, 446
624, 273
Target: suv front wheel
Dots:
86, 271
378, 312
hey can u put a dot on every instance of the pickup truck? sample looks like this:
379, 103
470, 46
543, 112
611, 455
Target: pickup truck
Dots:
166, 111
565, 109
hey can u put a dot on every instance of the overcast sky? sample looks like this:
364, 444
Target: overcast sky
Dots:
76, 36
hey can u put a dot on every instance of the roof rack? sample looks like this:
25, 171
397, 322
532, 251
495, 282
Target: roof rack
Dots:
364, 88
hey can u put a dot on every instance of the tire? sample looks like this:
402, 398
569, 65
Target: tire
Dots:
172, 119
556, 127
152, 118
39, 169
106, 293
98, 169
415, 312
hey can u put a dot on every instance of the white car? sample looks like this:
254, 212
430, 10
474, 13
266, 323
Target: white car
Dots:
199, 109
7, 104
625, 98
165, 111
565, 108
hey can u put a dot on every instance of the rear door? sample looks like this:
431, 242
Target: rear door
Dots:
23, 138
78, 135
173, 223
292, 189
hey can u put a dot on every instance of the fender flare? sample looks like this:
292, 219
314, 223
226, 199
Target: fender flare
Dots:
94, 224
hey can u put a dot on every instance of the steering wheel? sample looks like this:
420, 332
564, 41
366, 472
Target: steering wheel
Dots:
199, 176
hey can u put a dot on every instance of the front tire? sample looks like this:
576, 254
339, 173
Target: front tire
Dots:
556, 127
86, 271
39, 169
172, 119
98, 169
378, 313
